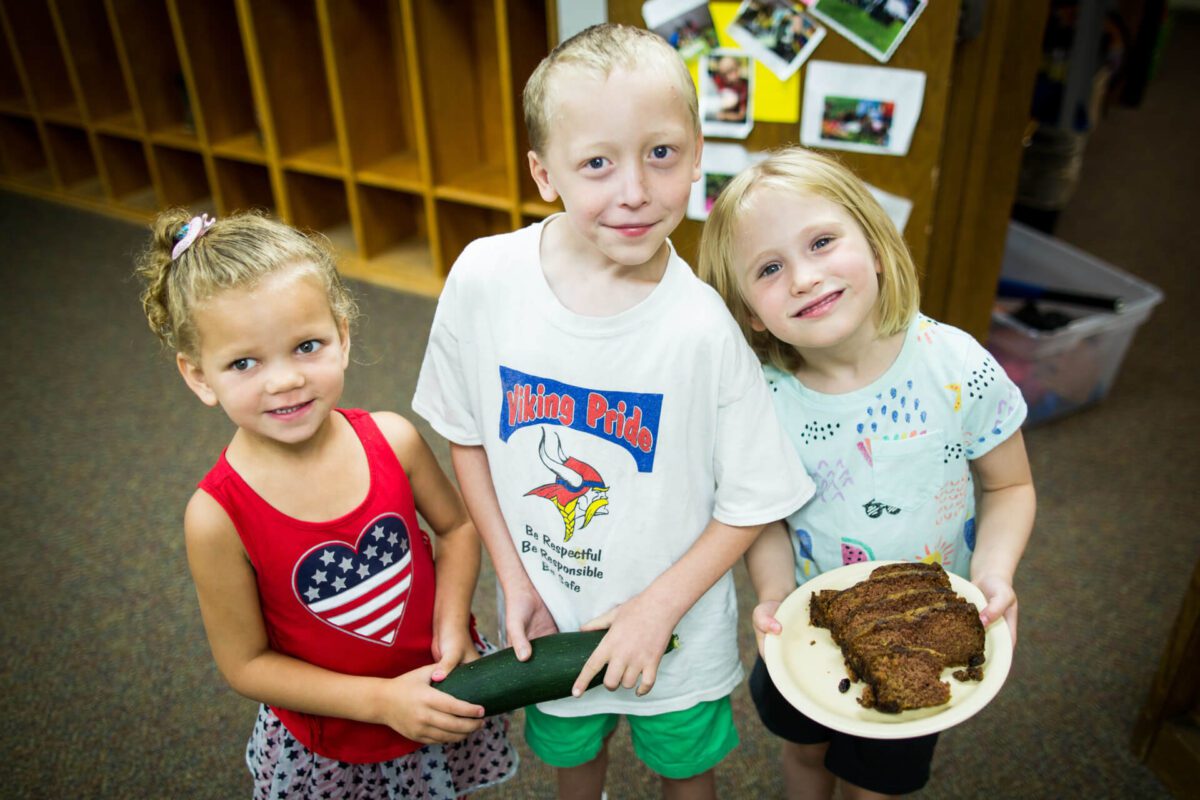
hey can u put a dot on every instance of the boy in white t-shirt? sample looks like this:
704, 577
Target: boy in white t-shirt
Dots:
609, 426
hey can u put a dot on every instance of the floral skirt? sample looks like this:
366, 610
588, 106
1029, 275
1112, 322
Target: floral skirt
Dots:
284, 768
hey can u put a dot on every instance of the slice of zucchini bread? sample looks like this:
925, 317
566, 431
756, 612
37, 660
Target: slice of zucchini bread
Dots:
898, 630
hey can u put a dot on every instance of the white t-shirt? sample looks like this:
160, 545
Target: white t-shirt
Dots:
890, 460
612, 441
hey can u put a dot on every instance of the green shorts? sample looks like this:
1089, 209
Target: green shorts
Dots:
677, 745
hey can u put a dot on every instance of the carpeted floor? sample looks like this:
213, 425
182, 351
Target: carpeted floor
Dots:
106, 682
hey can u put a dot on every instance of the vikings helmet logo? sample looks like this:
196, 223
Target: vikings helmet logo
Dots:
578, 493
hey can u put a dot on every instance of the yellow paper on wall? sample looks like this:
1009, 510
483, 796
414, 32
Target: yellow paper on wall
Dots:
774, 100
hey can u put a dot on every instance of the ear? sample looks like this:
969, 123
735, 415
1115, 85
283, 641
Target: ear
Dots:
541, 176
344, 339
756, 324
699, 152
193, 376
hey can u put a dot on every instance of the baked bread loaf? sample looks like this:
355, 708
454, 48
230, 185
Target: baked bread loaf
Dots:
898, 630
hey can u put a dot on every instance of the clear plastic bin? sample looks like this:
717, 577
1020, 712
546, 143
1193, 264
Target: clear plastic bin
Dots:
1065, 369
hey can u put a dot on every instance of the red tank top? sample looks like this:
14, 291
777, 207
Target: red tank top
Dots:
353, 595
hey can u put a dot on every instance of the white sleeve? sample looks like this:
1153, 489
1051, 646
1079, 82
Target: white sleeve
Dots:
759, 475
444, 386
993, 408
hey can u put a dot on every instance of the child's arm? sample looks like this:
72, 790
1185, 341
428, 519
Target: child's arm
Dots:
456, 562
1004, 522
640, 628
770, 563
526, 615
229, 605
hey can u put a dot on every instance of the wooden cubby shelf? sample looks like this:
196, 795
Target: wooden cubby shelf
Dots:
392, 127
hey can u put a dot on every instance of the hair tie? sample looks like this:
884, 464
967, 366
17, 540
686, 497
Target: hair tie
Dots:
189, 233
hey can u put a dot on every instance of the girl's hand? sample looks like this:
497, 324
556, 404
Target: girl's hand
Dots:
451, 647
526, 617
765, 623
1001, 602
414, 709
636, 641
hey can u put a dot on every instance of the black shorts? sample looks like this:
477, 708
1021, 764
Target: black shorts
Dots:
888, 766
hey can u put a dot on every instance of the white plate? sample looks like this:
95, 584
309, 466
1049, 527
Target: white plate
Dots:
807, 667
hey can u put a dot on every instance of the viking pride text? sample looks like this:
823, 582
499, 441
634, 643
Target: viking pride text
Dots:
629, 419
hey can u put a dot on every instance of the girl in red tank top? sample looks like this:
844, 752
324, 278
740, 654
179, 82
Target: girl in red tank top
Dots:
316, 583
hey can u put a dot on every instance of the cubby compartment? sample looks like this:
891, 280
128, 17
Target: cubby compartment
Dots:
74, 163
92, 55
373, 86
319, 204
391, 220
289, 50
182, 179
123, 163
12, 95
143, 35
395, 244
21, 155
464, 100
528, 43
220, 77
460, 224
242, 186
37, 48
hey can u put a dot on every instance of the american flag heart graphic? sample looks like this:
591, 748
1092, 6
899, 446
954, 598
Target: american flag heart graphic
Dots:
361, 590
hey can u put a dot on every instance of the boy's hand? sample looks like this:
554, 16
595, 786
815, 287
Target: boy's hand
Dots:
451, 647
636, 641
420, 712
526, 617
1001, 602
765, 623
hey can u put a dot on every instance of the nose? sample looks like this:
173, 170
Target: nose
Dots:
803, 278
633, 186
284, 378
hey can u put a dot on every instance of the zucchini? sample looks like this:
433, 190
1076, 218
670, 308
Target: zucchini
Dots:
500, 683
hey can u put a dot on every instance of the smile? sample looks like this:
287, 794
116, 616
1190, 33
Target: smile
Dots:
283, 412
820, 306
633, 231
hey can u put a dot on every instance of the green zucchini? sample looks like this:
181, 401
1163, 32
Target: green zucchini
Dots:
500, 683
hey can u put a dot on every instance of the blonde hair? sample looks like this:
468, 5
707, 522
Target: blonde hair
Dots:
235, 252
806, 172
601, 50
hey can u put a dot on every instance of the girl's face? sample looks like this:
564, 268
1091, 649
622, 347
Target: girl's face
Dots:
806, 271
273, 357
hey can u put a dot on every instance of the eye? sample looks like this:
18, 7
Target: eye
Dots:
822, 242
770, 269
661, 151
595, 163
242, 364
309, 347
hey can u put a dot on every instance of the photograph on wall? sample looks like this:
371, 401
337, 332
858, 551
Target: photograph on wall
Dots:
719, 163
726, 94
859, 108
686, 24
779, 33
875, 26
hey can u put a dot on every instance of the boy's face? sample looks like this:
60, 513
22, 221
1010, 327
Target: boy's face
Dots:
622, 155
